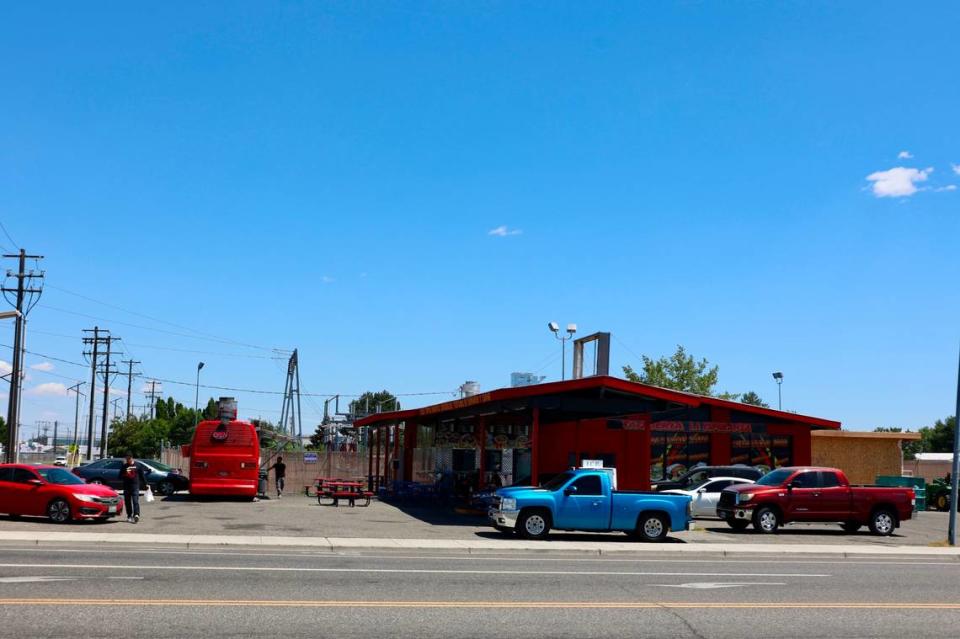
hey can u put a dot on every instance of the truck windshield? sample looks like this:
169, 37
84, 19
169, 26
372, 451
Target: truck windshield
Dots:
558, 482
775, 478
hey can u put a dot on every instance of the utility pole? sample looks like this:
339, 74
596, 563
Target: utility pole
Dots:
129, 374
955, 470
101, 337
106, 398
56, 425
152, 394
76, 411
23, 289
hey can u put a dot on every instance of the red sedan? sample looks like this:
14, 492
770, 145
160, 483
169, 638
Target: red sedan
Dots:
54, 492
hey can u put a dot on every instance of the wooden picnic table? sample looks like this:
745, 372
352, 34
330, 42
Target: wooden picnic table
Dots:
337, 490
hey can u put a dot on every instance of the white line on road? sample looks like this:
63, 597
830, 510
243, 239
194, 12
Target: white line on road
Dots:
413, 571
712, 585
43, 578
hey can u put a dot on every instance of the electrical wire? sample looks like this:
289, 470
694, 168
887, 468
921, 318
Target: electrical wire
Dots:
7, 234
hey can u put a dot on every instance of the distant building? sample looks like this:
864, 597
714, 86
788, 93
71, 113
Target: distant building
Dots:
524, 379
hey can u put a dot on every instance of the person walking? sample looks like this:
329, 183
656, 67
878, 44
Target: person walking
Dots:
133, 479
280, 472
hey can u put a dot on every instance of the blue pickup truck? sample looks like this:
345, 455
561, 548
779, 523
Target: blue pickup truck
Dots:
586, 500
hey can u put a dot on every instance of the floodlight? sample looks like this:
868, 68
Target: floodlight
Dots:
553, 326
571, 328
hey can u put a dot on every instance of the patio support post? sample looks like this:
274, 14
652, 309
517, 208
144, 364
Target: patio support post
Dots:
535, 448
369, 461
409, 445
481, 444
377, 474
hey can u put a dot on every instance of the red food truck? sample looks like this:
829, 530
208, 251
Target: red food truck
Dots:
225, 455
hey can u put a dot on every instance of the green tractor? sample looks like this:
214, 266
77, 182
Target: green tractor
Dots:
938, 494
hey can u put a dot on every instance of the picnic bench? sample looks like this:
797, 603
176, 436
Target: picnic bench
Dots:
335, 490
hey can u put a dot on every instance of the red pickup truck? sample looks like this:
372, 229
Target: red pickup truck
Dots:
814, 494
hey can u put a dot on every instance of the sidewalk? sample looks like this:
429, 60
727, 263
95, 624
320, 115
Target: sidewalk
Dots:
476, 546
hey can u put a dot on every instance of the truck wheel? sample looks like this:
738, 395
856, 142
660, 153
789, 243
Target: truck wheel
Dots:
851, 526
534, 524
738, 524
652, 527
766, 520
943, 503
882, 522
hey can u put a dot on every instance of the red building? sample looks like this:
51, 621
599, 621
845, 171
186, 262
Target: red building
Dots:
645, 432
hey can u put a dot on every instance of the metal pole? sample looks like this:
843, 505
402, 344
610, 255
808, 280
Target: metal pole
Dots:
93, 393
13, 402
954, 479
196, 399
779, 395
563, 359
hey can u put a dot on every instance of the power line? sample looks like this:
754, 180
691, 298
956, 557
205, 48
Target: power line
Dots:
8, 235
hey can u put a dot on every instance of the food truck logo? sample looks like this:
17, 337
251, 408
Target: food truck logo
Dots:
220, 434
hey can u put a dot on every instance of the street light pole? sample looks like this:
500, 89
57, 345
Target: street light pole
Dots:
196, 400
555, 329
954, 479
778, 377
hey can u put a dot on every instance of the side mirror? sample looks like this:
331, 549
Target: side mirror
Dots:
702, 490
570, 490
791, 485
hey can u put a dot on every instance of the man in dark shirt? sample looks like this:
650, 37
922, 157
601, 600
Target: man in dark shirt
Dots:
280, 472
133, 479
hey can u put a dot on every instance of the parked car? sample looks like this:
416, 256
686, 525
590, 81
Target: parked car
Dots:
54, 492
814, 494
61, 460
705, 497
698, 475
163, 479
586, 500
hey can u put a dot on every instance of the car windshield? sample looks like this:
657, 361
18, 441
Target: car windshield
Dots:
59, 476
157, 465
695, 480
775, 478
558, 482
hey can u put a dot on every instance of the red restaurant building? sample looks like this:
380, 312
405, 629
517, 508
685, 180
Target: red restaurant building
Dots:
645, 432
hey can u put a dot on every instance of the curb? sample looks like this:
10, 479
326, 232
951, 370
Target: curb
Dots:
486, 546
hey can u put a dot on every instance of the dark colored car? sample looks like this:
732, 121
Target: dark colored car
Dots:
696, 476
163, 479
51, 491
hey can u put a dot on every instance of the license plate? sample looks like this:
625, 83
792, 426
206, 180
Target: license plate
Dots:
224, 473
112, 509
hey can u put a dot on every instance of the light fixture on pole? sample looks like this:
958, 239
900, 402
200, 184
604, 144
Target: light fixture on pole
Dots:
778, 377
555, 329
196, 399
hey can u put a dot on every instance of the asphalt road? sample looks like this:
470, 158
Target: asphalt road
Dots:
156, 592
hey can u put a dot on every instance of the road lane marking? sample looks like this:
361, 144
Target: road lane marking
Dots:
628, 605
45, 578
419, 571
713, 585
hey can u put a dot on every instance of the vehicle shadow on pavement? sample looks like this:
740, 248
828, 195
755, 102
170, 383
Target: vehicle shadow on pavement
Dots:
802, 532
438, 515
573, 536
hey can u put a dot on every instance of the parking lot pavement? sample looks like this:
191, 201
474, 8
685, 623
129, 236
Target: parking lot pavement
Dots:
298, 516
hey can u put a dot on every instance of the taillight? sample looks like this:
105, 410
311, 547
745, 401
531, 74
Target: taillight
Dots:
246, 465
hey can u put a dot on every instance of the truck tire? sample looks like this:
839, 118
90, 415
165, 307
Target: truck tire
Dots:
942, 503
534, 524
652, 527
766, 520
882, 522
738, 525
851, 526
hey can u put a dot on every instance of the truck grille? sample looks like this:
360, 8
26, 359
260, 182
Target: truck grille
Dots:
728, 499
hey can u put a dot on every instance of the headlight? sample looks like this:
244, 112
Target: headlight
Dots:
743, 498
508, 503
89, 498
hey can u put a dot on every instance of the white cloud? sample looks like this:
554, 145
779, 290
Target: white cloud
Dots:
503, 231
949, 187
326, 279
904, 155
956, 168
50, 389
5, 367
897, 182
46, 367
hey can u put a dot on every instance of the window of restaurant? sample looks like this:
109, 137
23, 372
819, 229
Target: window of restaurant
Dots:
672, 454
762, 451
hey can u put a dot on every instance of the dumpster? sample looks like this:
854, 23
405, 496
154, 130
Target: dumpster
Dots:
918, 484
262, 484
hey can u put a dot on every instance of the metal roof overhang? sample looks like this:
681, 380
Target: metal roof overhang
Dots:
590, 396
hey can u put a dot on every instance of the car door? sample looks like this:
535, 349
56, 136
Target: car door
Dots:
6, 490
706, 498
834, 499
27, 497
803, 498
109, 473
583, 506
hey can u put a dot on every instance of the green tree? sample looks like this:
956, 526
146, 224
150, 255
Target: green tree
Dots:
939, 437
681, 372
370, 401
3, 432
753, 399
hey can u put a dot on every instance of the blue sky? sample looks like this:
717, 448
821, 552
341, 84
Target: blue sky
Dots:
327, 176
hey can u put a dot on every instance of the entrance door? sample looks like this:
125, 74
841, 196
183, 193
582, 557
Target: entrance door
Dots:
585, 507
